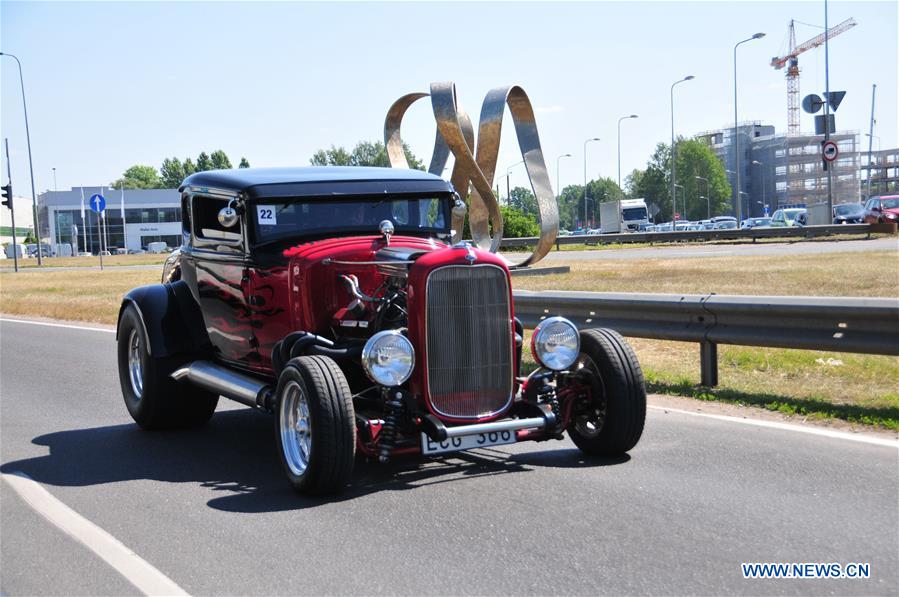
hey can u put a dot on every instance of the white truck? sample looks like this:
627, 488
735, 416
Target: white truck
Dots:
634, 214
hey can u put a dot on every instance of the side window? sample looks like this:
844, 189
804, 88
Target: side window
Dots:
206, 224
185, 214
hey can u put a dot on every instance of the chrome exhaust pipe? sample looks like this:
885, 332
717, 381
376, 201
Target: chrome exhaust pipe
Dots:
230, 384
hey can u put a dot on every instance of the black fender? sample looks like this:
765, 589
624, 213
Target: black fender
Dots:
171, 317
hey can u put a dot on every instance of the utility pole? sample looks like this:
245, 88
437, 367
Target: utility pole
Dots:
833, 164
37, 228
7, 190
871, 143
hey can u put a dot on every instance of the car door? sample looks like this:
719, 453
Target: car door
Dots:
217, 262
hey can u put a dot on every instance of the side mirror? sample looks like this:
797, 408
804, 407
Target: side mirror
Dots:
228, 216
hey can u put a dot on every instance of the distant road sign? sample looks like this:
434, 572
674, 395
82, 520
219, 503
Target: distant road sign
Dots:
97, 203
829, 151
834, 98
812, 103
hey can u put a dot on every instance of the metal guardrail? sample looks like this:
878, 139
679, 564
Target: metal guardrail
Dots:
667, 237
858, 325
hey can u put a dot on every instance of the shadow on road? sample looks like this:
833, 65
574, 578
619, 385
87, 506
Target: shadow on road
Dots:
234, 457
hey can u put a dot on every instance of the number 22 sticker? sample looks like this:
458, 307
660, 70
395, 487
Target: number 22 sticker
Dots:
266, 215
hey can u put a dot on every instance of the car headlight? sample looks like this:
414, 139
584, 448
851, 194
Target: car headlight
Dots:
388, 358
556, 343
890, 215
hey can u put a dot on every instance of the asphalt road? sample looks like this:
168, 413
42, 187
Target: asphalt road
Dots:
210, 509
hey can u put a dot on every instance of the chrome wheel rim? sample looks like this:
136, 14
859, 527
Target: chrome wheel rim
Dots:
135, 364
296, 428
589, 424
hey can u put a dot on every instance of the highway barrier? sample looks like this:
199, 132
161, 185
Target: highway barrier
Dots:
701, 235
857, 325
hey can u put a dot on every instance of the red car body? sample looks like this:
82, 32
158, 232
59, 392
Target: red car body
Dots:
882, 209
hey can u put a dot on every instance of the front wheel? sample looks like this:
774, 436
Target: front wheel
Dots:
612, 421
154, 399
315, 426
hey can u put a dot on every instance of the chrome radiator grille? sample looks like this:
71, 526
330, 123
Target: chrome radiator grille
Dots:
469, 341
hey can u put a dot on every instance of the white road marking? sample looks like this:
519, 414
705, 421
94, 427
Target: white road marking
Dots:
137, 571
865, 439
58, 325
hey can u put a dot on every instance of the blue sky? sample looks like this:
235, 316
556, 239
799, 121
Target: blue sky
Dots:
115, 84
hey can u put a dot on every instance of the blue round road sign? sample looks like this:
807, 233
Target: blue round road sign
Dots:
98, 203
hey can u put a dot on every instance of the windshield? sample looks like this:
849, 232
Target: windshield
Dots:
847, 209
890, 203
278, 219
634, 213
792, 213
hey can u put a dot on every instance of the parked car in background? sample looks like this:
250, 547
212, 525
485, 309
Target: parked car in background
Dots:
157, 247
755, 223
788, 217
848, 213
882, 209
726, 225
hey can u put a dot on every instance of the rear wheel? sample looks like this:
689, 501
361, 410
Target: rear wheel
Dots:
315, 427
154, 399
612, 421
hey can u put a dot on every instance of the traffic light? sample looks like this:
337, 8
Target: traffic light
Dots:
7, 195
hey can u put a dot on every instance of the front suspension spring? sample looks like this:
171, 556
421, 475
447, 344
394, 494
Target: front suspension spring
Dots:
395, 409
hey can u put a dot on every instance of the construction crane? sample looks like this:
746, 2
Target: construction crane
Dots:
791, 61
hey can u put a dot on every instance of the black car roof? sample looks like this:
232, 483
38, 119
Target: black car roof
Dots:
317, 181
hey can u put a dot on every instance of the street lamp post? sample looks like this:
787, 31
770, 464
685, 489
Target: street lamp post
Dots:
619, 144
738, 208
508, 173
37, 228
764, 191
708, 194
559, 188
585, 177
673, 156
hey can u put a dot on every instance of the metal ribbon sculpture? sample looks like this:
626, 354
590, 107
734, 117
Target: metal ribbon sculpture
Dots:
474, 169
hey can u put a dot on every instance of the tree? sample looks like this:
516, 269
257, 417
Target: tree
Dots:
204, 162
172, 172
220, 160
244, 163
694, 158
571, 202
139, 177
336, 156
365, 153
523, 200
517, 224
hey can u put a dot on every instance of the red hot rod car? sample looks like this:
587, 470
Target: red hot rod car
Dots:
335, 299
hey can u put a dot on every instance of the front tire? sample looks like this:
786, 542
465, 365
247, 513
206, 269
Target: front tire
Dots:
612, 422
153, 398
315, 428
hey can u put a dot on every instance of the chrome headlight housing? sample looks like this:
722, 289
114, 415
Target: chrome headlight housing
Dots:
388, 358
556, 343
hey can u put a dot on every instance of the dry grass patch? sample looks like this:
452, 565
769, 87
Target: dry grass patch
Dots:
873, 273
90, 295
109, 260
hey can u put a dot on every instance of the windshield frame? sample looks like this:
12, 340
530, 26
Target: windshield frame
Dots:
344, 229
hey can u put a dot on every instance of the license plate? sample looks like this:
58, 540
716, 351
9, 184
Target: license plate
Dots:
466, 442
